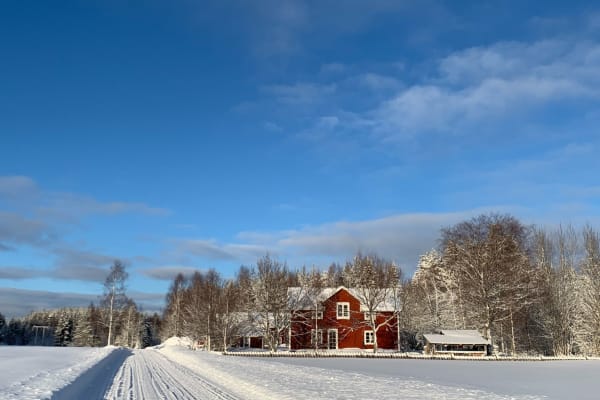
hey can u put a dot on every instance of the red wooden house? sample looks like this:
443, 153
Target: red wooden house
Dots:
334, 318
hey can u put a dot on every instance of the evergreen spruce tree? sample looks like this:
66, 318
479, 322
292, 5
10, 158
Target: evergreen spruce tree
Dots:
2, 328
82, 329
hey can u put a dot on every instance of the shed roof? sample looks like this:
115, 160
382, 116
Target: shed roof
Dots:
450, 336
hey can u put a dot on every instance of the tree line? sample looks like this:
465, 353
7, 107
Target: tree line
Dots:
115, 320
526, 289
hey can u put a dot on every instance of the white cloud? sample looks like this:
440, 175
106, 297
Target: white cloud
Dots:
168, 272
377, 82
18, 229
302, 93
496, 82
333, 68
401, 237
19, 302
420, 109
470, 92
16, 187
19, 273
214, 250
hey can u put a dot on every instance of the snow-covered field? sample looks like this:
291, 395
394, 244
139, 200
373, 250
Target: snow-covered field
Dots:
29, 372
173, 371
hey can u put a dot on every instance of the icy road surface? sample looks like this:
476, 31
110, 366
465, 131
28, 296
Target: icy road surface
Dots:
147, 374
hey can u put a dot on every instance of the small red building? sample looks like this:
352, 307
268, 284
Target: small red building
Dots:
335, 318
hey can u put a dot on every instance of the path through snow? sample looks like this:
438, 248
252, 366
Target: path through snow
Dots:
147, 374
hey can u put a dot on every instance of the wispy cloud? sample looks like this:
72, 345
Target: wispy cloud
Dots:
168, 272
468, 92
497, 81
401, 237
17, 229
301, 93
19, 302
281, 28
214, 250
83, 265
19, 273
42, 220
16, 187
69, 264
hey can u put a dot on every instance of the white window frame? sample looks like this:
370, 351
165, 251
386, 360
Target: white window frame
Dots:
345, 308
319, 333
372, 337
368, 315
337, 339
319, 315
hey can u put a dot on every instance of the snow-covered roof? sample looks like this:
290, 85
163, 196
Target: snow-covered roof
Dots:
250, 324
452, 336
300, 298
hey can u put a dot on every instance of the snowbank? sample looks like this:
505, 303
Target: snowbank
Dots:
175, 341
29, 372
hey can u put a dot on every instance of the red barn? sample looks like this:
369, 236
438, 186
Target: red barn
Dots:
333, 318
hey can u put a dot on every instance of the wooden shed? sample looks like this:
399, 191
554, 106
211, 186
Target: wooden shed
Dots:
468, 342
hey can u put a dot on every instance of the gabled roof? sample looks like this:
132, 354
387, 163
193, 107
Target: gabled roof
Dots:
300, 298
452, 336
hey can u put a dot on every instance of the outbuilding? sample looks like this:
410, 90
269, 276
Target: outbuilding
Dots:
468, 342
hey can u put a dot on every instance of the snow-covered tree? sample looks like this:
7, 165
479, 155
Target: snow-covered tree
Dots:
83, 334
63, 333
307, 294
174, 311
114, 296
558, 313
488, 257
129, 322
590, 290
376, 283
270, 282
439, 294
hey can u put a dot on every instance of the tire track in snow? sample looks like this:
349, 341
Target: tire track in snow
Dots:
147, 374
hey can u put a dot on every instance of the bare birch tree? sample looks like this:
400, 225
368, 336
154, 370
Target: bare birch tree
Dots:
270, 281
114, 294
590, 289
376, 283
488, 256
174, 311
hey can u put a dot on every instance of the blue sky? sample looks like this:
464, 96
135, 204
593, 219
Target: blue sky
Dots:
205, 134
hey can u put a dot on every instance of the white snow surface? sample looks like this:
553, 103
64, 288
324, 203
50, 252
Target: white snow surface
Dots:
174, 371
31, 372
260, 378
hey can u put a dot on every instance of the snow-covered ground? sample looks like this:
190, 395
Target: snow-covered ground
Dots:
560, 380
174, 371
29, 372
262, 378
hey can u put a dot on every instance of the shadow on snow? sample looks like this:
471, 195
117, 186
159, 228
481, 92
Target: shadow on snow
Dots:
96, 381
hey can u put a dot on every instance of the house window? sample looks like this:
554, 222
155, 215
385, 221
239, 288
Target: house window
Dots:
368, 316
316, 336
343, 310
369, 337
317, 315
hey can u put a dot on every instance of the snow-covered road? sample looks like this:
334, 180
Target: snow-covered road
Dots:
173, 371
147, 374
